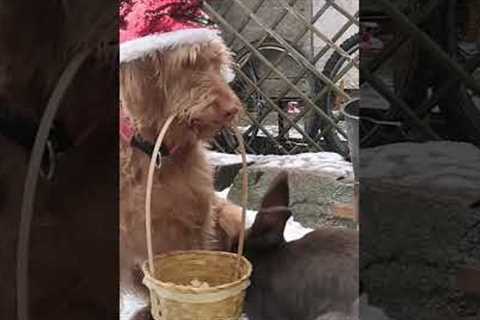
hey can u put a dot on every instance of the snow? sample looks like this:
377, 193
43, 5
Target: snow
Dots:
328, 162
225, 159
129, 304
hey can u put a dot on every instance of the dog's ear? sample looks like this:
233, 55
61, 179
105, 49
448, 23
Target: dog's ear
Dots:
269, 225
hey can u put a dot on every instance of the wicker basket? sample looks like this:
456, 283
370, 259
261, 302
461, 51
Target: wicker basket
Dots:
169, 276
173, 298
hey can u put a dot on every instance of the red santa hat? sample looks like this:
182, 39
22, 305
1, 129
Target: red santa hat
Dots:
159, 25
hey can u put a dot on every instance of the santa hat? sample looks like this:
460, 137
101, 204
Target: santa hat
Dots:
147, 26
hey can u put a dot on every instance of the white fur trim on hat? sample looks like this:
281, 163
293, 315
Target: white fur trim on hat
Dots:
228, 74
138, 48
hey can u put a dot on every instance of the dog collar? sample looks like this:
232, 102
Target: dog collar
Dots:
130, 136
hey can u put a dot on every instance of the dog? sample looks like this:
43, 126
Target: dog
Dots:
186, 214
313, 277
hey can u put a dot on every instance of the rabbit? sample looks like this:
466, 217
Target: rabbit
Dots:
305, 279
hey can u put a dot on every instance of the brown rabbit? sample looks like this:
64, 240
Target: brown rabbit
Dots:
302, 279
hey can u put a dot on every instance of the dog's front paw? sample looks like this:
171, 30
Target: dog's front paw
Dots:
228, 224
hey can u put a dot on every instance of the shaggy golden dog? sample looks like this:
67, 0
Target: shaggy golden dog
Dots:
186, 214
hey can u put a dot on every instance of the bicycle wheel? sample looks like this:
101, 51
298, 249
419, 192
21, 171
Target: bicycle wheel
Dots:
335, 69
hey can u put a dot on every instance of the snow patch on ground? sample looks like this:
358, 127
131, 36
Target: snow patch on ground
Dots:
310, 161
129, 305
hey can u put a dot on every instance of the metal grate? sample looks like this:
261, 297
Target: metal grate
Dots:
282, 51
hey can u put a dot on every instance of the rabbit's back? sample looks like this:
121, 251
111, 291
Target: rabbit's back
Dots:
306, 278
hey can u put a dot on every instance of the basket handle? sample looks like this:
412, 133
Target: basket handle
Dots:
244, 199
148, 199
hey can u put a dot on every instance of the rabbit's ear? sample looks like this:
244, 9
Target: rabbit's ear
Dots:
278, 193
270, 222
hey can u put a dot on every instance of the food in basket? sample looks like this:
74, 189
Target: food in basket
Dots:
199, 284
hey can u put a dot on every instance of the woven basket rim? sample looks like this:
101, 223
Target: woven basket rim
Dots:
188, 289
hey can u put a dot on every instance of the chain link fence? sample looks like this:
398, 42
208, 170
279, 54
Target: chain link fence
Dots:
296, 63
